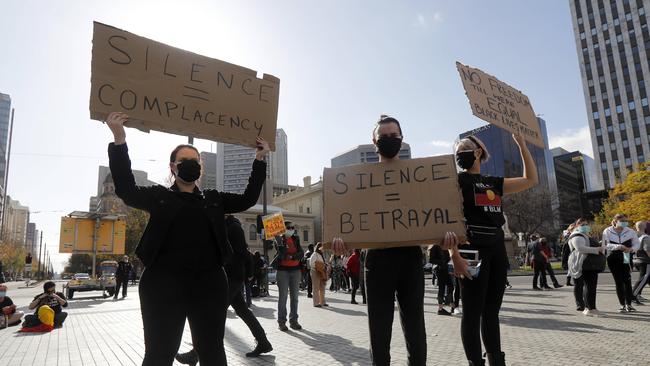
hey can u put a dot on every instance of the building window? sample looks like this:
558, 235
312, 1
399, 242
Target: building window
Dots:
616, 22
621, 126
605, 27
628, 16
647, 120
631, 105
637, 141
308, 209
594, 31
590, 82
599, 132
626, 144
252, 232
305, 236
619, 38
601, 148
582, 35
616, 163
580, 20
644, 102
603, 166
619, 109
593, 99
608, 112
612, 146
641, 11
610, 128
628, 162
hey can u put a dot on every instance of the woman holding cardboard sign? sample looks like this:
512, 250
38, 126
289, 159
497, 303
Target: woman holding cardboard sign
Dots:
395, 272
183, 249
482, 295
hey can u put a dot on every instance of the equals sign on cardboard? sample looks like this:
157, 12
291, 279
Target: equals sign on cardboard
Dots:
392, 197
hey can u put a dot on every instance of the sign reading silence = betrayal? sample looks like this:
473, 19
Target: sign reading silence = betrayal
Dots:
500, 104
400, 203
167, 89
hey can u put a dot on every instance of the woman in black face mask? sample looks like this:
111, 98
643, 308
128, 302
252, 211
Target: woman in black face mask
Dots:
183, 249
482, 295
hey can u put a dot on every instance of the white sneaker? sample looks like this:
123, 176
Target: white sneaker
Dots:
458, 311
593, 312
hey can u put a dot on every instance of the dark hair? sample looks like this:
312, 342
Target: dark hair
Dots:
384, 120
579, 220
48, 285
310, 247
172, 157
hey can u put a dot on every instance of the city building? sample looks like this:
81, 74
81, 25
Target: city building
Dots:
209, 170
305, 200
234, 164
106, 199
30, 237
15, 224
5, 121
613, 44
365, 154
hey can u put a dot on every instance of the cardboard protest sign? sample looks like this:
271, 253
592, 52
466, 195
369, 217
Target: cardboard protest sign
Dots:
400, 203
167, 89
500, 104
273, 225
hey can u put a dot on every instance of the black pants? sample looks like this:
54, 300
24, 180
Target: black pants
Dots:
310, 287
167, 298
482, 298
540, 272
551, 273
389, 273
448, 288
622, 277
355, 286
59, 318
584, 290
238, 304
124, 282
644, 277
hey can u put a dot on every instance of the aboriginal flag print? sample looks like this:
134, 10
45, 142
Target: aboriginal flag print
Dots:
484, 196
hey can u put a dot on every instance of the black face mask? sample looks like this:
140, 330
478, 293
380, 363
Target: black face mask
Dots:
389, 146
465, 159
189, 170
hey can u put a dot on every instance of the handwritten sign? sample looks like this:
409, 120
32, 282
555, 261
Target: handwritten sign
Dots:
500, 104
273, 225
167, 89
400, 203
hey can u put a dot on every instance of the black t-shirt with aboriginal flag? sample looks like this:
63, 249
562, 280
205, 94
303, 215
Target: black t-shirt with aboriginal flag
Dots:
482, 199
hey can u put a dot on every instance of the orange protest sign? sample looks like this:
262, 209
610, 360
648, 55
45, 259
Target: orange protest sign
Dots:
273, 225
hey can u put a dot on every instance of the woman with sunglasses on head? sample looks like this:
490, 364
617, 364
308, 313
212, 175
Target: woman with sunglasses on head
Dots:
482, 294
183, 248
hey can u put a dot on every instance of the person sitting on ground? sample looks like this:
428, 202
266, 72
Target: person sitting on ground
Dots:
52, 299
10, 316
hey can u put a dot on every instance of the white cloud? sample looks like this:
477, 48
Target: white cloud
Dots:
573, 139
441, 143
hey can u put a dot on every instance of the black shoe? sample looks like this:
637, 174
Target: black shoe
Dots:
295, 325
283, 327
630, 309
547, 288
537, 288
443, 312
637, 301
569, 284
189, 358
557, 285
353, 302
496, 359
310, 296
262, 347
580, 308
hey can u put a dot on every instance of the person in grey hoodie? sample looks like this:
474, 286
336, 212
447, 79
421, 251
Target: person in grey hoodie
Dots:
621, 242
586, 281
642, 259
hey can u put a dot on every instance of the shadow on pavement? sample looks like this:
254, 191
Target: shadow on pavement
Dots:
332, 345
505, 300
549, 323
345, 311
242, 347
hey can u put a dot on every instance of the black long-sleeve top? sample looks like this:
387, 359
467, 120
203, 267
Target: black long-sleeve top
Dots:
168, 208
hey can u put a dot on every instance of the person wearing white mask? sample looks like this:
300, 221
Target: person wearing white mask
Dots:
621, 242
585, 262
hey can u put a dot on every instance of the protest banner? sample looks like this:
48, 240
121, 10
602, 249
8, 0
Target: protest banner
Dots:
167, 89
273, 225
405, 202
500, 104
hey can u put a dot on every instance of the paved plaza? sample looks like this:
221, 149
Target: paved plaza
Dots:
538, 328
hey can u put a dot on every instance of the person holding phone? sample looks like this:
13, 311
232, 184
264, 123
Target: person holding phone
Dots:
482, 293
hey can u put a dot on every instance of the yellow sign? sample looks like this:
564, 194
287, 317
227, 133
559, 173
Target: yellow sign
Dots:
273, 225
77, 236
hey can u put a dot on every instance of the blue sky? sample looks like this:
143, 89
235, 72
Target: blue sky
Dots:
341, 65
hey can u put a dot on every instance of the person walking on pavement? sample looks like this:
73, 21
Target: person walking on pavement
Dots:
354, 271
318, 273
548, 255
237, 269
539, 264
440, 258
482, 296
287, 263
621, 242
183, 249
395, 273
642, 260
122, 274
566, 251
307, 270
583, 267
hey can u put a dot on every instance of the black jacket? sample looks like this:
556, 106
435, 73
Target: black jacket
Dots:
162, 204
123, 270
240, 266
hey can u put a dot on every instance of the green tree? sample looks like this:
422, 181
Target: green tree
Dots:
630, 197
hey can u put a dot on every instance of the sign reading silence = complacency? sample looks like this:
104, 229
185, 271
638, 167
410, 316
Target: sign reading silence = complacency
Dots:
405, 202
167, 89
500, 104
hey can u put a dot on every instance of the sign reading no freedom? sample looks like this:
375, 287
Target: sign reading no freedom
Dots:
171, 90
500, 104
400, 203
